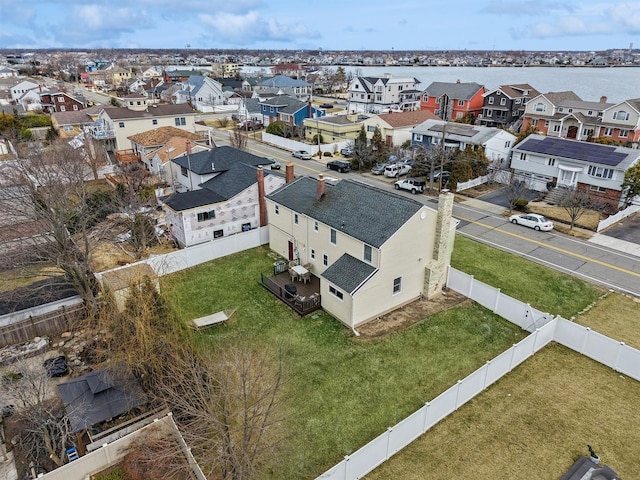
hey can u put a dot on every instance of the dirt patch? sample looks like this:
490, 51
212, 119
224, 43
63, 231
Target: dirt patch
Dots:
410, 314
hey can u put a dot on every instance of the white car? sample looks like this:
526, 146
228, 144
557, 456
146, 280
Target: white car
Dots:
396, 169
302, 154
532, 220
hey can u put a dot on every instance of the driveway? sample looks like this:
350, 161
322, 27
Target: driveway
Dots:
628, 229
499, 197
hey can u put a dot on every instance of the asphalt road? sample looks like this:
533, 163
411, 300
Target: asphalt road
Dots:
594, 263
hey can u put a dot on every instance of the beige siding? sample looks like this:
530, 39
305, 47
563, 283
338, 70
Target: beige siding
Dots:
132, 126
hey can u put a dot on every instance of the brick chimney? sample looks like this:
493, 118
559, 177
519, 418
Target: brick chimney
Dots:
603, 99
288, 177
436, 269
262, 203
320, 187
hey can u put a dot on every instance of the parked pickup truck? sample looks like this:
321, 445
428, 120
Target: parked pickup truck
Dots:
250, 125
414, 185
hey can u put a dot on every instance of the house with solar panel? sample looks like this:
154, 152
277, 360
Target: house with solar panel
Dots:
546, 163
221, 192
369, 251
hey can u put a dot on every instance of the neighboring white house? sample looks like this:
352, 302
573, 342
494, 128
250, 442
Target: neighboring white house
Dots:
542, 160
373, 250
222, 193
158, 161
495, 142
380, 94
22, 87
203, 93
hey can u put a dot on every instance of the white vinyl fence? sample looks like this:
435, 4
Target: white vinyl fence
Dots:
544, 328
293, 145
613, 219
474, 182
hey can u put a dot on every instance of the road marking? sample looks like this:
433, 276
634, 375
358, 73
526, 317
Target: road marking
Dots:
552, 247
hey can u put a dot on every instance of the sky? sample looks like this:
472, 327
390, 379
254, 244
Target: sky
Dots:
327, 25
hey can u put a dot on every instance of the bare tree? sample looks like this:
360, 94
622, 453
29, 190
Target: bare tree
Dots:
238, 139
42, 427
515, 191
576, 202
228, 404
47, 201
94, 154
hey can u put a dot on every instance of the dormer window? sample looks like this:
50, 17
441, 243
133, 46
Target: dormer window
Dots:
621, 115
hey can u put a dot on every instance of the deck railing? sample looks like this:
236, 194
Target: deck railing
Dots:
301, 305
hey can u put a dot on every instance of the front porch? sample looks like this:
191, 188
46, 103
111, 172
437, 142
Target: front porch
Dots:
304, 299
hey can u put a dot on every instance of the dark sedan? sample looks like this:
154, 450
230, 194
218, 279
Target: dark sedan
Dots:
339, 165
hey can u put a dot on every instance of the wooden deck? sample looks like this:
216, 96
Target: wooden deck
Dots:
307, 297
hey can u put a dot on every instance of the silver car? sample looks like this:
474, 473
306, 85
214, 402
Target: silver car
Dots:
302, 154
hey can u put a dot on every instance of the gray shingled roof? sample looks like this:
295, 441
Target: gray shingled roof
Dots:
458, 91
117, 113
219, 159
359, 210
348, 273
193, 199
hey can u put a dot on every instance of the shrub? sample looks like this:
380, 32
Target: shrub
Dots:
327, 154
276, 128
520, 204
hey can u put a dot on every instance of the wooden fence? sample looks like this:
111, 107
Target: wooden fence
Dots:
48, 324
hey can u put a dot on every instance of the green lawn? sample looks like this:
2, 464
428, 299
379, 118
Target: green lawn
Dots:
545, 289
341, 391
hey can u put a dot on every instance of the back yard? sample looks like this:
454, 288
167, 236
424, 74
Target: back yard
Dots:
342, 390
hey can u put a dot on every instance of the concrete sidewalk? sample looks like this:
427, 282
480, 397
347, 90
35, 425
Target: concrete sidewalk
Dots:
484, 206
616, 244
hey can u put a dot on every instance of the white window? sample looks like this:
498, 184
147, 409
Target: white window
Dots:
336, 292
546, 123
397, 285
523, 156
62, 108
295, 218
624, 133
507, 144
596, 188
539, 107
277, 209
425, 98
503, 101
75, 107
418, 137
461, 103
371, 128
489, 113
315, 225
551, 162
185, 172
600, 172
571, 110
180, 121
121, 124
325, 259
608, 132
490, 102
60, 100
556, 128
367, 253
333, 236
459, 114
154, 121
313, 254
621, 115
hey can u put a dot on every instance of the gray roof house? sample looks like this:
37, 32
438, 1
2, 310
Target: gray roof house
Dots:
283, 85
203, 93
369, 260
543, 161
222, 194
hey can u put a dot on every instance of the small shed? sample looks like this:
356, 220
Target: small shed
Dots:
120, 280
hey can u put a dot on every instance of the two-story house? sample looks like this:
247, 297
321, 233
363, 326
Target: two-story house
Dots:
283, 85
495, 142
382, 94
226, 194
621, 122
453, 101
333, 128
370, 260
58, 101
504, 106
396, 128
565, 115
114, 125
158, 161
203, 93
288, 110
149, 141
542, 161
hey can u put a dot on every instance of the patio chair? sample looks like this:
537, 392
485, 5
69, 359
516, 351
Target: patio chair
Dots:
306, 277
293, 263
308, 266
293, 275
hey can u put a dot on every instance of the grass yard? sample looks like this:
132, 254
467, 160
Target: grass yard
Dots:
543, 288
616, 316
341, 391
534, 423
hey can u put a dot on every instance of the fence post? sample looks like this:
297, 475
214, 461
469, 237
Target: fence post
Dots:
389, 430
457, 392
621, 346
486, 374
496, 303
535, 339
346, 467
426, 416
584, 340
470, 286
513, 351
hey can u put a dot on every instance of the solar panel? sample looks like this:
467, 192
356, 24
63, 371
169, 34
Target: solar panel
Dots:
585, 151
